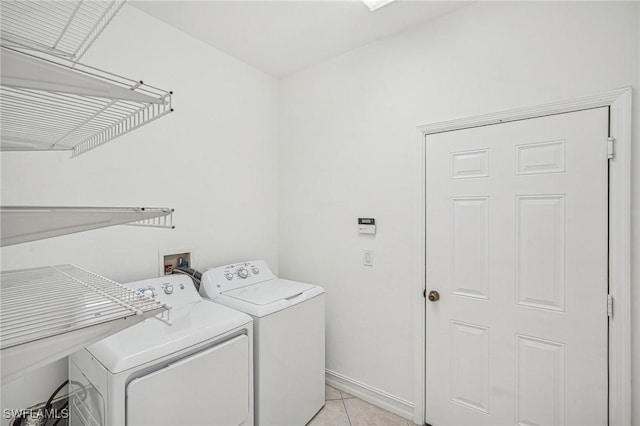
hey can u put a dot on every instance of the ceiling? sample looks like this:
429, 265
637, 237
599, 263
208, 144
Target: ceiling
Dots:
282, 37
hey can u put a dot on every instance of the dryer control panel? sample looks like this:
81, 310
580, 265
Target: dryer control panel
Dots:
176, 290
229, 277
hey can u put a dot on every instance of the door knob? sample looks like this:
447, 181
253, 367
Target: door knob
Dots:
434, 296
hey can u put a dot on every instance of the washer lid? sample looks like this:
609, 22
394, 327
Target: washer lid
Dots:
268, 292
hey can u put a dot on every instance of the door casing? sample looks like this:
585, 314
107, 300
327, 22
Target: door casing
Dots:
619, 102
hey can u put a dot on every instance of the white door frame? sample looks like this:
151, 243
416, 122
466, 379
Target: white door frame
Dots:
619, 102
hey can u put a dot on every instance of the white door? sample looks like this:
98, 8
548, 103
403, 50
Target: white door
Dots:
516, 225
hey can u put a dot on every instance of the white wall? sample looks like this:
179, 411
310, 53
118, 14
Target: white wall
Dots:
348, 149
214, 160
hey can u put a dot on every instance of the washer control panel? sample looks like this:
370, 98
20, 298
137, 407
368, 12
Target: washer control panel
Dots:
176, 290
243, 271
236, 275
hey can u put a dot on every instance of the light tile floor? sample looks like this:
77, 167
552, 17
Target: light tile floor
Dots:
342, 409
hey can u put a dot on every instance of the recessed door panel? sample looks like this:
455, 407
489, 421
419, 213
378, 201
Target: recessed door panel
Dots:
470, 246
540, 265
544, 157
469, 353
470, 164
540, 382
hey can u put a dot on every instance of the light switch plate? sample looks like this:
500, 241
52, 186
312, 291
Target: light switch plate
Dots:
367, 257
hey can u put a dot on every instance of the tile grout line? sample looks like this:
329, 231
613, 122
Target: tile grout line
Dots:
345, 408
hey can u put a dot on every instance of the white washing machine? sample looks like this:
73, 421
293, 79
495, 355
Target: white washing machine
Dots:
196, 371
289, 357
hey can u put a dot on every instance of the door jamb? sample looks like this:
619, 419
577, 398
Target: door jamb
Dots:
620, 122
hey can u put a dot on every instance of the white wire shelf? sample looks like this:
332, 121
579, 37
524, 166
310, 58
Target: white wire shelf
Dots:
62, 28
21, 224
49, 312
48, 103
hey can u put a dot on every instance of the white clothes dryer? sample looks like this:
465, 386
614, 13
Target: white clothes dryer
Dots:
196, 371
289, 338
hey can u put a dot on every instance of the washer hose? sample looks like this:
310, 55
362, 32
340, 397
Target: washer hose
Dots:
195, 276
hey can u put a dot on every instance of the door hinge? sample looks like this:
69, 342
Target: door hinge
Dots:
609, 306
610, 142
424, 293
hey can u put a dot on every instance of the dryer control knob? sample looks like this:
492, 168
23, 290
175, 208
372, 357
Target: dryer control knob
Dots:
229, 276
149, 291
243, 273
255, 270
168, 289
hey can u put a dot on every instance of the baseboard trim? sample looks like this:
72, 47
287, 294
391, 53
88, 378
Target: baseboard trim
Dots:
377, 397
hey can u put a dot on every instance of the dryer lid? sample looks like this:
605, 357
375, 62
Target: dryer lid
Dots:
268, 292
151, 339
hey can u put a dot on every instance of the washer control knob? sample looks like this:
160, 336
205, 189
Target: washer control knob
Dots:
229, 275
149, 292
255, 270
243, 273
168, 289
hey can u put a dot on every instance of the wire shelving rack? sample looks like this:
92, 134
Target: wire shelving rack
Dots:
21, 224
49, 312
62, 28
48, 100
